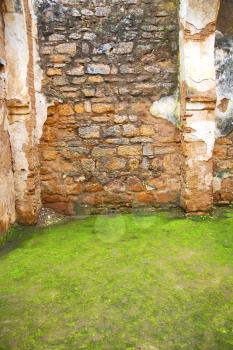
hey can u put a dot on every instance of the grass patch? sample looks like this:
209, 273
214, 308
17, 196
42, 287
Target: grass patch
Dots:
124, 282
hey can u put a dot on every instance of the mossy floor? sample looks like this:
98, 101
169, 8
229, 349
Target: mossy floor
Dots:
127, 282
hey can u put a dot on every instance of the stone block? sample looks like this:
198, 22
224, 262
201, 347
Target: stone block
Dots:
59, 81
98, 68
130, 130
59, 58
102, 108
76, 71
89, 92
54, 71
112, 131
120, 119
116, 163
79, 108
89, 132
103, 152
68, 48
123, 48
127, 151
95, 79
65, 109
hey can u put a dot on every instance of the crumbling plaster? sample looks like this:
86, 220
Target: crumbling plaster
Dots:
41, 103
7, 191
25, 106
198, 101
197, 104
16, 56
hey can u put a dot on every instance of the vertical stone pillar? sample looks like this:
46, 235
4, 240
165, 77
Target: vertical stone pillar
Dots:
20, 93
7, 193
198, 101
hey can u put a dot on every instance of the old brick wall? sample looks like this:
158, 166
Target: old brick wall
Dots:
106, 62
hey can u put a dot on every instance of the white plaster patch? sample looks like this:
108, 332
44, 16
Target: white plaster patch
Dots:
199, 64
41, 103
167, 108
197, 106
198, 13
41, 115
203, 130
16, 56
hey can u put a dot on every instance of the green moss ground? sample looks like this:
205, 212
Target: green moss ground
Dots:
119, 283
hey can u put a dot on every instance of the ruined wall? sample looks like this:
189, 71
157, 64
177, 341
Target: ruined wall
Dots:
7, 192
223, 155
105, 63
117, 134
21, 107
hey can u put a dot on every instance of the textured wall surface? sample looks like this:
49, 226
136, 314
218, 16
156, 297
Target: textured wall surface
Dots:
19, 161
21, 107
106, 62
7, 191
117, 133
198, 102
223, 155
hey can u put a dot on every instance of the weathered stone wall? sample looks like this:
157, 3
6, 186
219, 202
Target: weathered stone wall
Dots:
117, 134
21, 107
105, 63
223, 155
7, 191
223, 170
198, 102
20, 118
